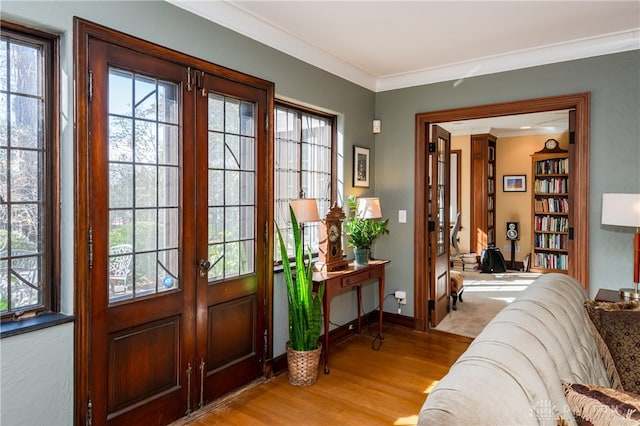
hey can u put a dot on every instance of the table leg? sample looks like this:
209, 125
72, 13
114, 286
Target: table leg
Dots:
359, 291
381, 297
326, 301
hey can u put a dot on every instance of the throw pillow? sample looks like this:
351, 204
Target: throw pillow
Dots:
618, 324
596, 405
603, 350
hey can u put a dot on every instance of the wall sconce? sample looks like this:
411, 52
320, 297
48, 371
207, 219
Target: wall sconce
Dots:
376, 126
624, 210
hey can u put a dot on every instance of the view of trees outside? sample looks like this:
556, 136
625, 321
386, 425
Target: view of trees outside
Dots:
144, 182
22, 165
143, 185
231, 187
302, 163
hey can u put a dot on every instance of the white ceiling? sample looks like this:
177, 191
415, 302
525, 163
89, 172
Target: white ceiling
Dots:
513, 125
386, 45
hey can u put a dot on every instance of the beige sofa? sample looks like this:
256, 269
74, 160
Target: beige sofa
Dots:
511, 374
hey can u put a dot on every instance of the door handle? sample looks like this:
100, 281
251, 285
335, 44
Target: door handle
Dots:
188, 412
204, 266
202, 364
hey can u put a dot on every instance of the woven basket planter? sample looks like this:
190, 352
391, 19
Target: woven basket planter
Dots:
303, 366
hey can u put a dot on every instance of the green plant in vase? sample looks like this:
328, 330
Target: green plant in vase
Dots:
361, 231
305, 310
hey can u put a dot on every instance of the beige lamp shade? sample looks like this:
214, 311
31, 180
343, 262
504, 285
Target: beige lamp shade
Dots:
624, 210
621, 209
369, 208
305, 209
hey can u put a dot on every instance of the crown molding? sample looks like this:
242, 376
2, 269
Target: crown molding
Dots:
562, 52
233, 17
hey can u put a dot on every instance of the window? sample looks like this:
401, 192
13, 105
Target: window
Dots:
143, 189
28, 171
305, 157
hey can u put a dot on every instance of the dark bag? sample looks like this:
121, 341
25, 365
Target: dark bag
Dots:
492, 261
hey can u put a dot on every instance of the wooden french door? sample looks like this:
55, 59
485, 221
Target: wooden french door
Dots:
231, 231
438, 223
177, 213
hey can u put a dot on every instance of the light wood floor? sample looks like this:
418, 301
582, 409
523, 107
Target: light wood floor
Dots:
365, 386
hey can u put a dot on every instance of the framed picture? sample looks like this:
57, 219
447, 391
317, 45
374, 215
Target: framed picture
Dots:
360, 167
514, 183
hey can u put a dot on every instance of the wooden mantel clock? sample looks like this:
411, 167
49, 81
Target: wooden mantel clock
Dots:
330, 256
551, 146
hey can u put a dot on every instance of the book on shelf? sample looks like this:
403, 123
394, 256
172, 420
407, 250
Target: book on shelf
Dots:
551, 241
551, 224
551, 261
551, 185
551, 205
555, 166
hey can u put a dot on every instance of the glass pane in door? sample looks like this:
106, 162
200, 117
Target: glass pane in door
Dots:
143, 186
440, 188
231, 199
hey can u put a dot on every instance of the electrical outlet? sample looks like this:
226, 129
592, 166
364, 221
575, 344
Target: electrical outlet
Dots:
402, 301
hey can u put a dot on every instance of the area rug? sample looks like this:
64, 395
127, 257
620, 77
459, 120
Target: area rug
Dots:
484, 296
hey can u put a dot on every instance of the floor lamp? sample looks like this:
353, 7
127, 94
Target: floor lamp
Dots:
624, 210
306, 211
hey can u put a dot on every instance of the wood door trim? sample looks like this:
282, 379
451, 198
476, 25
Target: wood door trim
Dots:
580, 177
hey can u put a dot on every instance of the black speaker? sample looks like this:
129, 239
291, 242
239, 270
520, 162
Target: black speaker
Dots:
512, 231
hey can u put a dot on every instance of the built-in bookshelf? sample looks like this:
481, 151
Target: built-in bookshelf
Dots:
550, 206
483, 199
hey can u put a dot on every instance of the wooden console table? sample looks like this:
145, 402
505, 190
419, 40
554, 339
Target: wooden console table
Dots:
337, 281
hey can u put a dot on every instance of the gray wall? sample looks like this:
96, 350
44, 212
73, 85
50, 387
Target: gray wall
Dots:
612, 80
614, 83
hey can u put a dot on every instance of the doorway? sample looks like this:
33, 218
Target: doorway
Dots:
579, 153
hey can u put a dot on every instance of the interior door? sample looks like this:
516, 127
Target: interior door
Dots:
438, 223
231, 231
178, 213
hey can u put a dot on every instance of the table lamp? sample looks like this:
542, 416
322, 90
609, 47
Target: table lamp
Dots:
306, 211
624, 210
369, 208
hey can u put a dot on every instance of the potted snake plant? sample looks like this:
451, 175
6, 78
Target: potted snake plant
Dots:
305, 313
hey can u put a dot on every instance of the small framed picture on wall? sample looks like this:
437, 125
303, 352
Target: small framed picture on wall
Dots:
514, 183
360, 167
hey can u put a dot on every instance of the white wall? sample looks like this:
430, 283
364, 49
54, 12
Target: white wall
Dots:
37, 389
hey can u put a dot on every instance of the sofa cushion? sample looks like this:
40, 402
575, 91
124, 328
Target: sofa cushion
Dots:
597, 405
619, 326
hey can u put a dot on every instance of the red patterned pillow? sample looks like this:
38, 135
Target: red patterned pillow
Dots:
619, 326
595, 405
